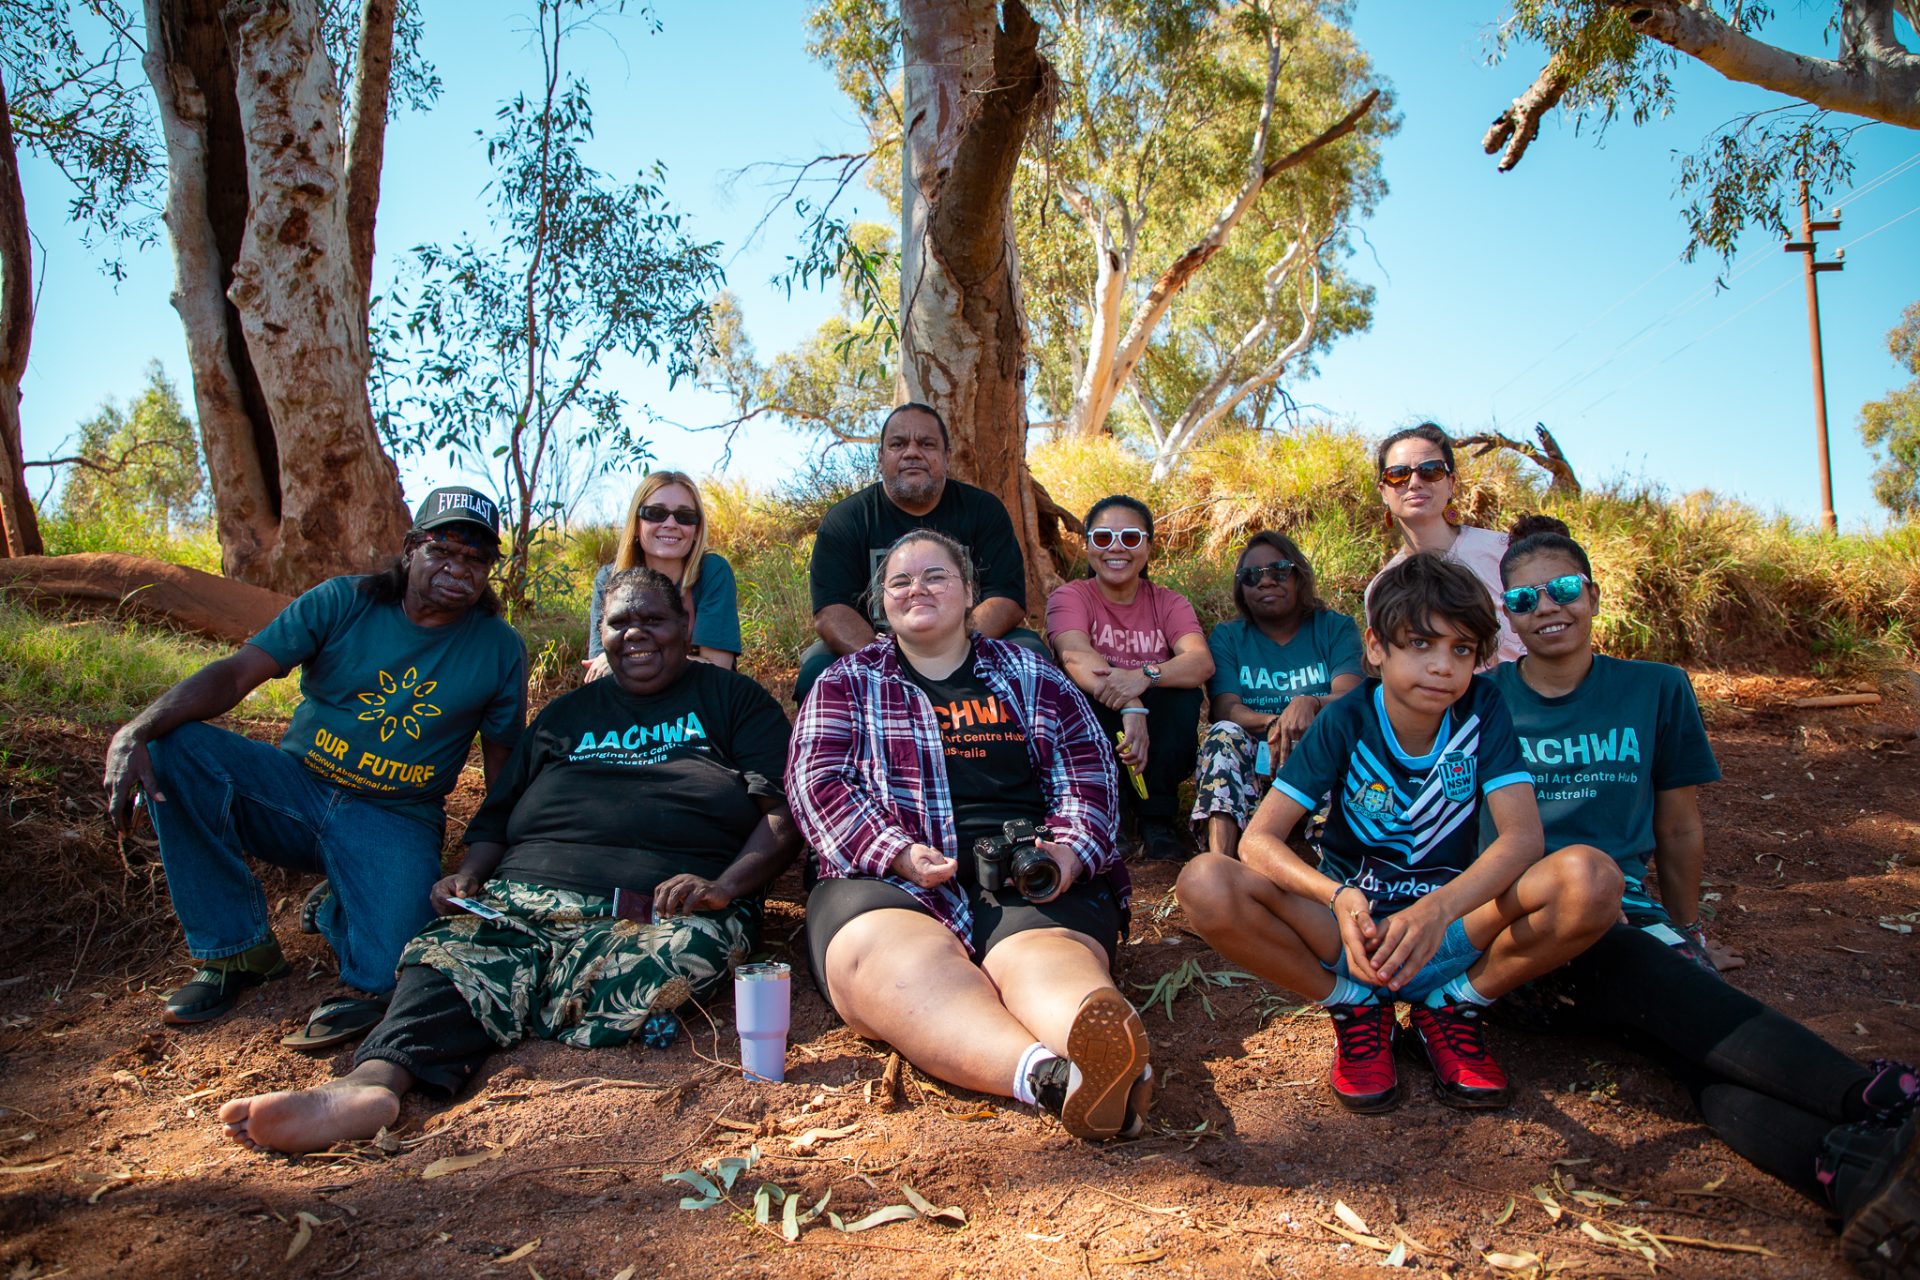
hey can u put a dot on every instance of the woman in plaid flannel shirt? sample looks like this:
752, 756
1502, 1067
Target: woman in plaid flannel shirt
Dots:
907, 751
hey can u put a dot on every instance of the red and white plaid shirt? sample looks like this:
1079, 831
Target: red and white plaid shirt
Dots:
867, 776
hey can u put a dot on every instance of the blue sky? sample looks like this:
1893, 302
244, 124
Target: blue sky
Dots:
1551, 293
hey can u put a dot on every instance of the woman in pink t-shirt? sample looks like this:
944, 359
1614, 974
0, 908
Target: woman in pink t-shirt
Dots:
1414, 472
1137, 651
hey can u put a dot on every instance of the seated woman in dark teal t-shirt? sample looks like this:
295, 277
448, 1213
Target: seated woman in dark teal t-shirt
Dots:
1618, 751
1286, 656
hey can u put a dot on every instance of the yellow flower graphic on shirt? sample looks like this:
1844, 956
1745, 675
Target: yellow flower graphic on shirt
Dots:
400, 705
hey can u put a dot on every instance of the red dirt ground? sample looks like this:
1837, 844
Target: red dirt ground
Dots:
111, 1163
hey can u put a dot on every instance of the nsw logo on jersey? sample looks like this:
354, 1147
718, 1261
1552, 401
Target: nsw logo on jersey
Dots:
1456, 776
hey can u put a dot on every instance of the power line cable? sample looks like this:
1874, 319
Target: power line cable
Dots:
1676, 352
1688, 303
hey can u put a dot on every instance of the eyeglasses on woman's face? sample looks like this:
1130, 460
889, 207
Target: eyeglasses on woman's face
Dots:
1564, 589
1102, 538
1253, 575
654, 513
935, 579
1401, 474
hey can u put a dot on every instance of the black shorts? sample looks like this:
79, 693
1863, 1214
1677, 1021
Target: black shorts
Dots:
1088, 907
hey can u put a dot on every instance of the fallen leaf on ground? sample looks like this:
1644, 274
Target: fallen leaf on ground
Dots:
814, 1137
953, 1214
1512, 1261
878, 1218
42, 1167
454, 1164
517, 1254
1136, 1259
304, 1223
1352, 1219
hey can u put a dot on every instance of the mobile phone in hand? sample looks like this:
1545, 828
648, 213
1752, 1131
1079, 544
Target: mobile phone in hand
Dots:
480, 909
629, 904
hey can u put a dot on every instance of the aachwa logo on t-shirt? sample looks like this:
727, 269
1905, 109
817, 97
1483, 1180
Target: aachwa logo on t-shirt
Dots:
400, 705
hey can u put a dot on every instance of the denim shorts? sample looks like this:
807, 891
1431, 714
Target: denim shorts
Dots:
1455, 956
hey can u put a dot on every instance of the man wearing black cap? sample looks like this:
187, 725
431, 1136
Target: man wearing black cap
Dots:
398, 671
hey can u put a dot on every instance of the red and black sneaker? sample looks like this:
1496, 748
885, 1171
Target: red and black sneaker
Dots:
1464, 1072
1364, 1077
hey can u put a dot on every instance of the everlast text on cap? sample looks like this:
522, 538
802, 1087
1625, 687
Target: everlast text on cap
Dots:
457, 504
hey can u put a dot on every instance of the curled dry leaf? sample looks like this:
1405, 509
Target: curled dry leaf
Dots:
1352, 1219
625, 1273
953, 1215
1501, 1218
1512, 1261
303, 1226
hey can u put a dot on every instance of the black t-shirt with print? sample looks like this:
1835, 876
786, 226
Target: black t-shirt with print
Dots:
858, 529
989, 773
609, 790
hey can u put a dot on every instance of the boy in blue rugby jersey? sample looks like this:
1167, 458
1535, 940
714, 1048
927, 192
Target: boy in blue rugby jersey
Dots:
1404, 906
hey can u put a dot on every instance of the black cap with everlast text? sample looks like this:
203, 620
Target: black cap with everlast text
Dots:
457, 504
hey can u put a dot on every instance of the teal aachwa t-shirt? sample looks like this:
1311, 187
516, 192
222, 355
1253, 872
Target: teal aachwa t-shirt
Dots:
1598, 756
1267, 676
388, 707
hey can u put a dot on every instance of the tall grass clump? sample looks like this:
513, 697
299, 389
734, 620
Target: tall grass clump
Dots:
103, 671
1698, 579
194, 546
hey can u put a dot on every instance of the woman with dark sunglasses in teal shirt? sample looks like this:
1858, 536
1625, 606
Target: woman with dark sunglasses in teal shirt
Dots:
1618, 751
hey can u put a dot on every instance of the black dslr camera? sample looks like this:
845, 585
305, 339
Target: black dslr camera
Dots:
1013, 859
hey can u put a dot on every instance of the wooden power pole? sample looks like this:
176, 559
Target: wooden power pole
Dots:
1804, 245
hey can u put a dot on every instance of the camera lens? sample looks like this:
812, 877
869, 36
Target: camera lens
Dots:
1035, 874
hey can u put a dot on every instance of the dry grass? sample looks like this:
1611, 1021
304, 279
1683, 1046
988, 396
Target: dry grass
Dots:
1698, 579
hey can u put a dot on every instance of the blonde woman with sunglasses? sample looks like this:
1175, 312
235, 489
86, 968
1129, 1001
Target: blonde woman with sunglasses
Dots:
1414, 472
666, 531
1136, 650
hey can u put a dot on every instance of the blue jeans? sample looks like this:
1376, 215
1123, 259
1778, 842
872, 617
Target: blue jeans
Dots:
1455, 956
228, 796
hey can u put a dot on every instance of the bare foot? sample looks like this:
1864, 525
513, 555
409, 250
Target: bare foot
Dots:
310, 1119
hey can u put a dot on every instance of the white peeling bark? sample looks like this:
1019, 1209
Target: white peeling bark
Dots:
244, 503
1878, 78
970, 87
275, 316
1227, 389
1117, 350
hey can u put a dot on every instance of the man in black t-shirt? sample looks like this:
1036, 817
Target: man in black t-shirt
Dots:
913, 492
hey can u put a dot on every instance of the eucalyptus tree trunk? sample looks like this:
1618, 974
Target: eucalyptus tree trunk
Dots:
19, 529
972, 86
269, 290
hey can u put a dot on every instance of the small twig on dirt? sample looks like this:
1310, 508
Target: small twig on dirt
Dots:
887, 1096
715, 1057
1178, 1211
79, 959
600, 1164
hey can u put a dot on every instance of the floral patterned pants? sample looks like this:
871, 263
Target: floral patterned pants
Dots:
1224, 782
559, 966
